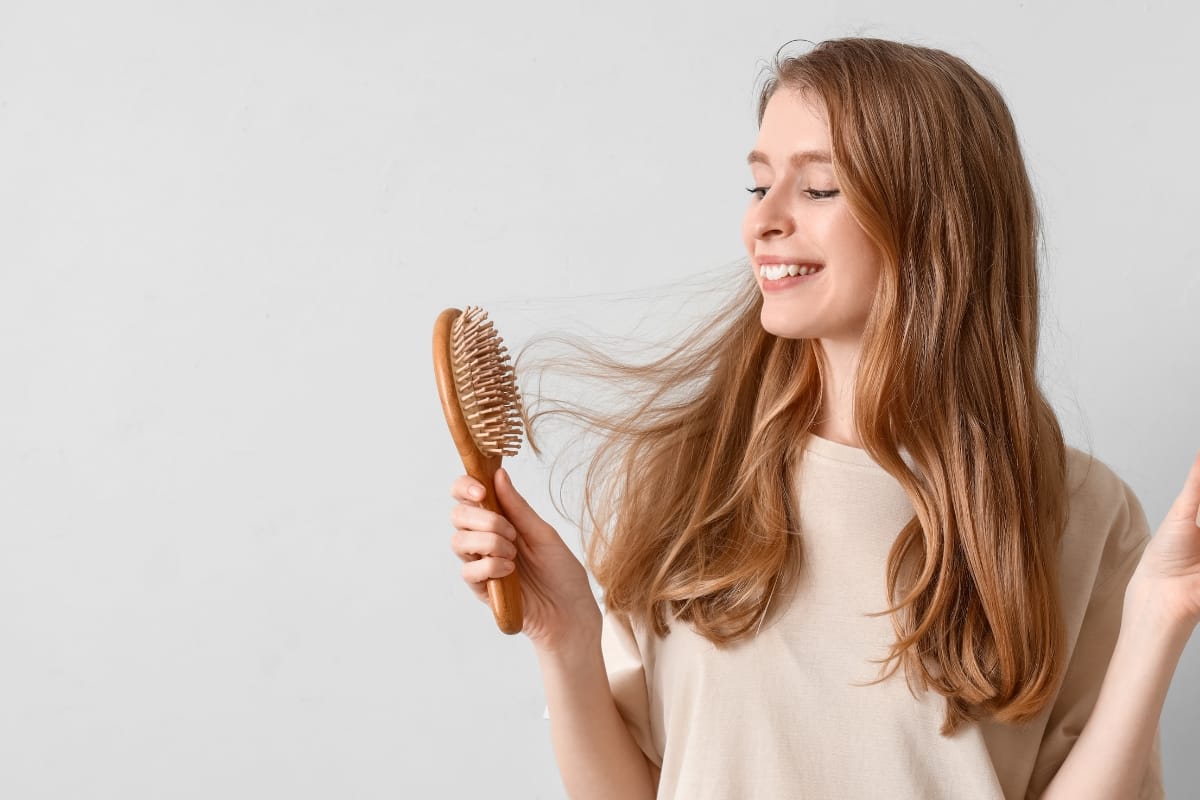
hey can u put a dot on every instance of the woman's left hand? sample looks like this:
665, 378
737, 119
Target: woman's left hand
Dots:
1169, 570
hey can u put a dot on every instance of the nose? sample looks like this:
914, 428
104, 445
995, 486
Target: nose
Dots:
772, 218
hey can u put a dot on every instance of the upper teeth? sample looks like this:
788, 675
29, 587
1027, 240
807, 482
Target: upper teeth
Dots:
776, 271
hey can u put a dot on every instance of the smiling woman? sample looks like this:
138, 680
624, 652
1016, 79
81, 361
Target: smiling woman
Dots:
803, 220
867, 473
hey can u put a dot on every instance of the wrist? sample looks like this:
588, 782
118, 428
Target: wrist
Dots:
1147, 614
578, 651
580, 641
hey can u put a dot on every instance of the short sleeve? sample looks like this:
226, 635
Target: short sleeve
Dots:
1093, 650
627, 680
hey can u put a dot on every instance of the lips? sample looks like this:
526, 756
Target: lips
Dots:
801, 260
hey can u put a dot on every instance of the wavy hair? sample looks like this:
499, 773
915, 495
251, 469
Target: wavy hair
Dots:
684, 498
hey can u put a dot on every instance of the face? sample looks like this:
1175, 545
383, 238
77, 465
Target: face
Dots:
798, 216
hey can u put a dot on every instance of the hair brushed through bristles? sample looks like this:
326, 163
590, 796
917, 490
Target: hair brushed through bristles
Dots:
487, 387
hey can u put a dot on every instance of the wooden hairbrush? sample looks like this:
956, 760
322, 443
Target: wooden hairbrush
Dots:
479, 398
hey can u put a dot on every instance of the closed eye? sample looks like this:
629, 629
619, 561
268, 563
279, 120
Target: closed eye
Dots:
816, 194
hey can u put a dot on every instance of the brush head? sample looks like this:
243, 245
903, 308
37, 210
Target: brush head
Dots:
487, 386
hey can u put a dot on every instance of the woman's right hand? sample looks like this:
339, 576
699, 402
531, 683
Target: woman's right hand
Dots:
560, 611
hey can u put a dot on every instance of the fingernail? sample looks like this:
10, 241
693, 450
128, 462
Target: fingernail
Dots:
476, 492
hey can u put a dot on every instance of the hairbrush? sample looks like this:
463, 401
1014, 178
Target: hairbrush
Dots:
479, 398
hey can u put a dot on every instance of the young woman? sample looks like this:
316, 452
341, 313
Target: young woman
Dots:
863, 472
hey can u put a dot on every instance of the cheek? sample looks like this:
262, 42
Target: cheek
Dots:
862, 278
855, 249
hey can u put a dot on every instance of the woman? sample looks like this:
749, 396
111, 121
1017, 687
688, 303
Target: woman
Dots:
865, 473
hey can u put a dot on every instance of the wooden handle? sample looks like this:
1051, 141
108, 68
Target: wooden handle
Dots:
504, 593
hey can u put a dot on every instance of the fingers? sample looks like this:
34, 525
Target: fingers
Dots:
485, 541
480, 519
483, 570
473, 545
486, 556
466, 489
1187, 504
476, 574
1188, 501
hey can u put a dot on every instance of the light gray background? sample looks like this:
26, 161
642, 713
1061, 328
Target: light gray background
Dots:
226, 231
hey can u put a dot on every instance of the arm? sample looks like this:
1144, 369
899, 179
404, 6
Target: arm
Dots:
597, 755
1109, 759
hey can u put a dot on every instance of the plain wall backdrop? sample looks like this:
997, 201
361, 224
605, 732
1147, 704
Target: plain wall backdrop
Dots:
226, 230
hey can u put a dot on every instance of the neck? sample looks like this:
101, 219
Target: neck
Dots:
835, 421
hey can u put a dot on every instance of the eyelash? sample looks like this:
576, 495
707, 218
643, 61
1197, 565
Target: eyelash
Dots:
816, 194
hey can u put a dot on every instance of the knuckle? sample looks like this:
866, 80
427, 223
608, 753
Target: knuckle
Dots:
505, 548
494, 543
460, 515
484, 568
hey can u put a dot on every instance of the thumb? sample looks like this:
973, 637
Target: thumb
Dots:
517, 509
1187, 505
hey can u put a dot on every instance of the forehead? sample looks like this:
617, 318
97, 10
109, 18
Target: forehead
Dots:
793, 120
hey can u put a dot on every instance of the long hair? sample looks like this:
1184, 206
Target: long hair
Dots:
685, 497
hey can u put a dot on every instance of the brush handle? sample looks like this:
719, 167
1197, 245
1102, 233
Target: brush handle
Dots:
505, 592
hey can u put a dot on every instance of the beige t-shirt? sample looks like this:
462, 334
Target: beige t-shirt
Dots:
778, 716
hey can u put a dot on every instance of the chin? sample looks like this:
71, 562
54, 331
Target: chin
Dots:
785, 329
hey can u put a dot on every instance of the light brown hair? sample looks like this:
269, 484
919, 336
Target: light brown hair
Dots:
685, 499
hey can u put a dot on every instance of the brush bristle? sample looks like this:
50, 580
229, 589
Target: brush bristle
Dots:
487, 386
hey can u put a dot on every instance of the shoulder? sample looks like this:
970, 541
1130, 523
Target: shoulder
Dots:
1106, 527
1091, 479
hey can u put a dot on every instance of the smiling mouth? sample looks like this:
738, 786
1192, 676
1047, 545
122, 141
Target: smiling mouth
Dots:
778, 272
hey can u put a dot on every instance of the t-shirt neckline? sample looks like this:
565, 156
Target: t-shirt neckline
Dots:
839, 451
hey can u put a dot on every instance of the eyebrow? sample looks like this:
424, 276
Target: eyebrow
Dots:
797, 160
